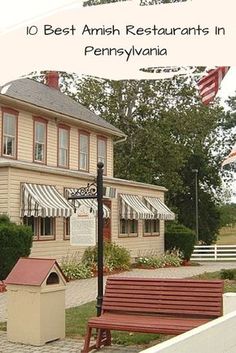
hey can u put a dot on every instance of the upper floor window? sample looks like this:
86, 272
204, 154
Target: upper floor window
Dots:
102, 152
63, 146
83, 151
40, 140
9, 133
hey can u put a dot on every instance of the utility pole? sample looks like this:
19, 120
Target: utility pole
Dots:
196, 203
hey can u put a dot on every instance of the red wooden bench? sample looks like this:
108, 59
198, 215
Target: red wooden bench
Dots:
167, 306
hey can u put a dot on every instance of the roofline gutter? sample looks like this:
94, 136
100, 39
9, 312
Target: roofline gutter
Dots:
123, 139
35, 109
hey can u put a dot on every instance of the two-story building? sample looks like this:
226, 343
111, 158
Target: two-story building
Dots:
50, 146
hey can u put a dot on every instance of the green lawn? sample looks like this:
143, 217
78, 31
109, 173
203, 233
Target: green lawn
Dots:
76, 320
227, 236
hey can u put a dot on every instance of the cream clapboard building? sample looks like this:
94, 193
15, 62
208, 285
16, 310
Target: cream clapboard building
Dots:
50, 145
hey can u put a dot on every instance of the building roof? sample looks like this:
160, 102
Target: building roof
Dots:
41, 95
31, 271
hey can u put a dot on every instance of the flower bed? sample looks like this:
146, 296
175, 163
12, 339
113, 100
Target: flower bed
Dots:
169, 259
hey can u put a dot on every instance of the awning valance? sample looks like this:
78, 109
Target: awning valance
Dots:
91, 203
44, 201
160, 210
132, 207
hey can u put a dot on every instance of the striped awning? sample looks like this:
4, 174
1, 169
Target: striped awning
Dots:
43, 201
160, 210
91, 203
132, 207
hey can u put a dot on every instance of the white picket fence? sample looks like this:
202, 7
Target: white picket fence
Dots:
214, 253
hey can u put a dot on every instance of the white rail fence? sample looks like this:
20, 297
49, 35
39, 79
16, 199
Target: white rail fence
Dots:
214, 253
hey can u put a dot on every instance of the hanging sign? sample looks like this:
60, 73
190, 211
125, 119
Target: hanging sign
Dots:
83, 227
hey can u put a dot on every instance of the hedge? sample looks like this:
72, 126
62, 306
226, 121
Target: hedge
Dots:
177, 236
15, 242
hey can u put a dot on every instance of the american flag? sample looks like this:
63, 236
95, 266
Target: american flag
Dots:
210, 84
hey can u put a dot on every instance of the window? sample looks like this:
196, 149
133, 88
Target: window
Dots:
40, 139
43, 228
9, 132
63, 147
67, 228
151, 227
102, 151
83, 151
128, 227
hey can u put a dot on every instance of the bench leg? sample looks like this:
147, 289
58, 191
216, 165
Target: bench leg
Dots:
103, 338
108, 336
86, 348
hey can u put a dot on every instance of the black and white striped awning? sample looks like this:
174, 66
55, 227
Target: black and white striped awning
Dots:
132, 207
160, 210
44, 201
91, 203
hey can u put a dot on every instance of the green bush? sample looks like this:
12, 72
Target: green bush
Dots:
177, 236
115, 257
15, 242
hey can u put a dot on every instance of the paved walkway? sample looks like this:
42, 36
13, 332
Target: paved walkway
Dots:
83, 291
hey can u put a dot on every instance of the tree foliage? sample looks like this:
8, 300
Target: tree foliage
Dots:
169, 134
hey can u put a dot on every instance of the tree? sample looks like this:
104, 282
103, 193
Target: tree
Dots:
169, 133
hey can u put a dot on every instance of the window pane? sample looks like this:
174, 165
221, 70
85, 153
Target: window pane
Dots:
101, 148
9, 124
133, 226
83, 143
31, 222
123, 226
46, 226
40, 130
39, 152
83, 161
83, 151
67, 226
156, 226
63, 157
9, 146
147, 226
63, 138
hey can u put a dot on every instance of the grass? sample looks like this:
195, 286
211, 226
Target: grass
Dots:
76, 320
227, 236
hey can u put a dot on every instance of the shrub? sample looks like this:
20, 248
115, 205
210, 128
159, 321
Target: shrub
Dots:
177, 236
228, 274
150, 262
15, 242
115, 257
173, 258
170, 258
74, 269
4, 219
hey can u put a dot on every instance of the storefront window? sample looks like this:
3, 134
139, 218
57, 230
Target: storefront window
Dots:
43, 228
128, 227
